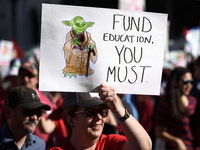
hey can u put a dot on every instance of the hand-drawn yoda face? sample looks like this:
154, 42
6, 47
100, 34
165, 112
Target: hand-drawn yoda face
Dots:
78, 24
79, 49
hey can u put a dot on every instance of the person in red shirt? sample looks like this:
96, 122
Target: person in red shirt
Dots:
84, 116
54, 123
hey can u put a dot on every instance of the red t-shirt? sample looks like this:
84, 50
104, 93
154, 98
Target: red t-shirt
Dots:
45, 100
105, 142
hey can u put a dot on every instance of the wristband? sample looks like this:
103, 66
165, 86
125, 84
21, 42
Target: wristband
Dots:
126, 116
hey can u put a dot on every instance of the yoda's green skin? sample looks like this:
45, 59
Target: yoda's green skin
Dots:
79, 26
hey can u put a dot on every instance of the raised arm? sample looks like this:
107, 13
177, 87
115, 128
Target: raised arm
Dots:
46, 125
160, 132
138, 138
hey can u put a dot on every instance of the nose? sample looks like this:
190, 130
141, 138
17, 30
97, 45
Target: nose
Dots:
34, 116
98, 116
189, 84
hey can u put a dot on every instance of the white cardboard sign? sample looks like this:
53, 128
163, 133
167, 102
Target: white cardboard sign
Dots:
124, 49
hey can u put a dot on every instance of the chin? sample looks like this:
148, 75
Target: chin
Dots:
30, 130
187, 93
95, 134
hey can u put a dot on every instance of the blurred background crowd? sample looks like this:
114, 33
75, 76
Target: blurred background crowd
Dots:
20, 29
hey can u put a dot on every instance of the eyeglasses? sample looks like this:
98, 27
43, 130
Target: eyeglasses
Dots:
185, 81
90, 112
31, 112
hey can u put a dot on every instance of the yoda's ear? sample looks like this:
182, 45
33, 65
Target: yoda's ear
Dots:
68, 23
90, 24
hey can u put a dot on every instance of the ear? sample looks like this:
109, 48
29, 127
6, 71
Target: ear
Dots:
26, 79
90, 24
70, 120
7, 112
68, 23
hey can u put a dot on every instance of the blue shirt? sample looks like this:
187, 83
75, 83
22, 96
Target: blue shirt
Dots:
130, 103
32, 142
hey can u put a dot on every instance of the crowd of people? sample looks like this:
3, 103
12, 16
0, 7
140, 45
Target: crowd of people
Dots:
33, 119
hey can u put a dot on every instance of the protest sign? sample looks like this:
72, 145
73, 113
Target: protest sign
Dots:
82, 47
6, 54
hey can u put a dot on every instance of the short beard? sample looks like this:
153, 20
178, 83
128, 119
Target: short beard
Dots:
29, 122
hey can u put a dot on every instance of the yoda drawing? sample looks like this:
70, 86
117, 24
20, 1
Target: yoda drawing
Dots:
79, 49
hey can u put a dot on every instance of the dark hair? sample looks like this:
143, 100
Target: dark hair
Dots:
173, 95
197, 61
24, 73
69, 111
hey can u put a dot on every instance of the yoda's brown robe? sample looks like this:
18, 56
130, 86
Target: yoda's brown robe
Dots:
76, 59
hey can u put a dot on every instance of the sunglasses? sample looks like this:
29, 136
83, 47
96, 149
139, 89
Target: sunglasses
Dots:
90, 112
31, 112
185, 81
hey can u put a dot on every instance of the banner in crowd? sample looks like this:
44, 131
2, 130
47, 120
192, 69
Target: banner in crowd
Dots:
82, 47
6, 54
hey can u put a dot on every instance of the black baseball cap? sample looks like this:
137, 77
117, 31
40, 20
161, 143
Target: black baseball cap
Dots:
81, 99
27, 69
25, 97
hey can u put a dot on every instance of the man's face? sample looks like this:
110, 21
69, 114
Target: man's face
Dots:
32, 82
25, 120
27, 79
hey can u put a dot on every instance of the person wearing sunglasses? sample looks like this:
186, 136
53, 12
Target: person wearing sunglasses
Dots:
85, 116
23, 111
172, 119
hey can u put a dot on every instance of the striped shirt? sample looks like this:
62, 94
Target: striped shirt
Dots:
180, 129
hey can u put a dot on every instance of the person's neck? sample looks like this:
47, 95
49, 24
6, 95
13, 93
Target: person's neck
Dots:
19, 137
32, 87
83, 143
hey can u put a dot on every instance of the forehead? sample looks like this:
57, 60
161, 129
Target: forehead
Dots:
186, 75
97, 107
100, 106
22, 108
